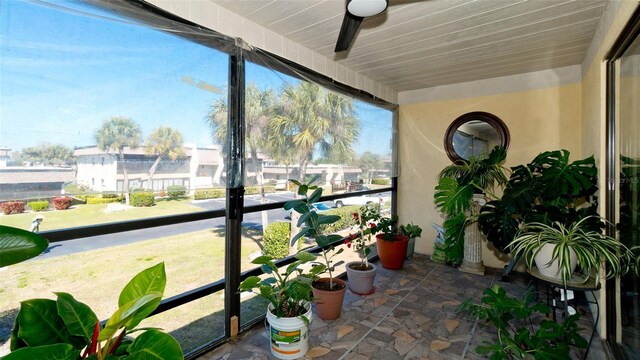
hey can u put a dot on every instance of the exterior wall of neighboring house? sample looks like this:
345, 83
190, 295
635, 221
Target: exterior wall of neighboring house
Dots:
103, 172
329, 173
24, 183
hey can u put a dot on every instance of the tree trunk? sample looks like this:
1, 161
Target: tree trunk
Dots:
260, 181
152, 171
125, 185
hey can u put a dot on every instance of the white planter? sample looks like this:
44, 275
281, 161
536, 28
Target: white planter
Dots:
551, 270
289, 336
361, 282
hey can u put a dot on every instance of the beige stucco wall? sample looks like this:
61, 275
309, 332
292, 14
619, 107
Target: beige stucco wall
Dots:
538, 120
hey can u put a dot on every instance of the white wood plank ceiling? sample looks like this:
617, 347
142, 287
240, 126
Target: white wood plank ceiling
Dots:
418, 44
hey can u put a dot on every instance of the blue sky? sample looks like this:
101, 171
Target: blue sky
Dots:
62, 73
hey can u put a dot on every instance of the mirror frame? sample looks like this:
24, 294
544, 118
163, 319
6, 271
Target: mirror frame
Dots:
494, 121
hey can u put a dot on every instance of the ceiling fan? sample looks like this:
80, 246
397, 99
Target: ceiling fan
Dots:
355, 12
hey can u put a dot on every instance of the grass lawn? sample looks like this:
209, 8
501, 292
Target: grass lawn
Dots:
96, 278
81, 215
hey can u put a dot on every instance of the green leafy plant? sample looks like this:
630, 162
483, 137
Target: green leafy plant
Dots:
276, 240
288, 292
592, 247
366, 217
38, 205
310, 223
17, 245
142, 198
549, 189
410, 230
454, 193
67, 329
522, 330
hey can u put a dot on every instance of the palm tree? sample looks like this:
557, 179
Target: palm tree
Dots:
164, 142
309, 118
115, 134
258, 105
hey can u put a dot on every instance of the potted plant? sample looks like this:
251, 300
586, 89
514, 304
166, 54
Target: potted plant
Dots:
549, 189
463, 186
391, 244
556, 250
523, 330
412, 232
67, 329
289, 308
328, 292
361, 273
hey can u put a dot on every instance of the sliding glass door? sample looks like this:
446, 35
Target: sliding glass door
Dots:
624, 92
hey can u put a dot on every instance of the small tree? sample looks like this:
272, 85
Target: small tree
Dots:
116, 134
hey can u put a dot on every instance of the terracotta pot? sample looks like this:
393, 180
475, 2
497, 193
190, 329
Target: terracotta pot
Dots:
329, 303
392, 253
361, 281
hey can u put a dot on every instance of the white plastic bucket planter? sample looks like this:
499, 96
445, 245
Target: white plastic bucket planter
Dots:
289, 337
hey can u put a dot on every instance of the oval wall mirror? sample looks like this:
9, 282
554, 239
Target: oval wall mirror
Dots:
474, 133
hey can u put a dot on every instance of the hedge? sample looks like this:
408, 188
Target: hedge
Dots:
209, 194
38, 205
276, 240
12, 207
346, 219
94, 200
380, 181
141, 199
62, 203
110, 196
253, 190
176, 190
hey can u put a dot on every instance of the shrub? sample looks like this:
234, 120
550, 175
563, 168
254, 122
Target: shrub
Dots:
12, 207
162, 193
141, 199
38, 205
253, 190
176, 190
346, 219
62, 203
209, 194
276, 240
109, 196
380, 181
94, 200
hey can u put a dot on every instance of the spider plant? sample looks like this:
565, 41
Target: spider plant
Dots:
592, 248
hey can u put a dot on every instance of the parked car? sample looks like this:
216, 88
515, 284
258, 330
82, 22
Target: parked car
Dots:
359, 200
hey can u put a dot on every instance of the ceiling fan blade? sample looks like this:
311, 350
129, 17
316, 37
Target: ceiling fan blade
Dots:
350, 25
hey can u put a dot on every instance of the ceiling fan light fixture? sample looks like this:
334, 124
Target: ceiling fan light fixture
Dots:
364, 8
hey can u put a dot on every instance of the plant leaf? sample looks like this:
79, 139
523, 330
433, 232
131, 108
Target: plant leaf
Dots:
18, 245
40, 323
130, 314
78, 317
452, 198
45, 352
150, 280
154, 344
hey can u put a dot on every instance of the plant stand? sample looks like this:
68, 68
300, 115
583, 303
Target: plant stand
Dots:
472, 260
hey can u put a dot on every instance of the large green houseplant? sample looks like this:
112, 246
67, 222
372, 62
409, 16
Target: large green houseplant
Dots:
454, 195
523, 330
328, 291
558, 248
67, 329
549, 189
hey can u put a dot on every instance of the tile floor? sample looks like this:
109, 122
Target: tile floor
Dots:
412, 315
